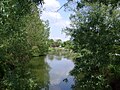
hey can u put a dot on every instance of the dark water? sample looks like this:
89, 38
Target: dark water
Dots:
52, 72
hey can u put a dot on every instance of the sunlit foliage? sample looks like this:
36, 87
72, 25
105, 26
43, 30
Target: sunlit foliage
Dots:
15, 49
95, 30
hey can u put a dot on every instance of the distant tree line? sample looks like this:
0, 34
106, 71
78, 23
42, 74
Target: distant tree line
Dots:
59, 43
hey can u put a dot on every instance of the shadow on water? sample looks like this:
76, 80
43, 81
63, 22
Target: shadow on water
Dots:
52, 72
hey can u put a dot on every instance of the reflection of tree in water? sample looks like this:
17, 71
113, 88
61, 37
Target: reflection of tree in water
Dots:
60, 52
58, 57
50, 57
40, 71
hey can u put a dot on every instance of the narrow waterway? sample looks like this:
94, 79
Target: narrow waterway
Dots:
52, 72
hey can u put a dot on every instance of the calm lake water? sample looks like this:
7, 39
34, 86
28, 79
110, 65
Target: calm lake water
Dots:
52, 72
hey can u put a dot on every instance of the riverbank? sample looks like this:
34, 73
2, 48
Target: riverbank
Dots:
63, 52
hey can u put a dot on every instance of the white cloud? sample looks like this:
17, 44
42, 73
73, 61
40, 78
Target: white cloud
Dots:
62, 23
51, 5
56, 20
49, 12
51, 16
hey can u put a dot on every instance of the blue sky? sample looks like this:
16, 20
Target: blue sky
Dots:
57, 20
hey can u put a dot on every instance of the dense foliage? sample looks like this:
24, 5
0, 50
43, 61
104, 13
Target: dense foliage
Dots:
37, 32
68, 44
15, 46
59, 43
55, 43
95, 31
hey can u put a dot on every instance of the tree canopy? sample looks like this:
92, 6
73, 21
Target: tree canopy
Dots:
16, 41
96, 35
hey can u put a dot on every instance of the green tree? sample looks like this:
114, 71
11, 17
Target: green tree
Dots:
55, 43
59, 42
95, 33
14, 45
67, 44
37, 32
50, 41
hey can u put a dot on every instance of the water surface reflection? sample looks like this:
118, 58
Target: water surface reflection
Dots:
53, 72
